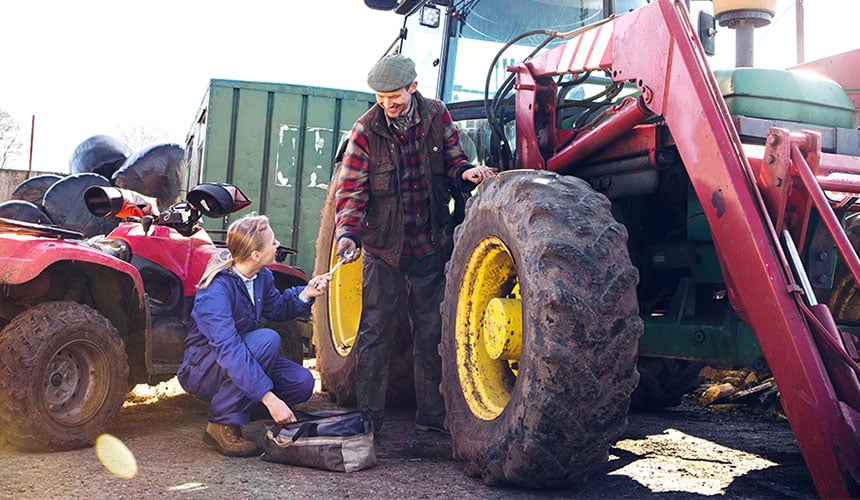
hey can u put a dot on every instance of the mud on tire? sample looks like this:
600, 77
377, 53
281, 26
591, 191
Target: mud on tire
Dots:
65, 377
545, 416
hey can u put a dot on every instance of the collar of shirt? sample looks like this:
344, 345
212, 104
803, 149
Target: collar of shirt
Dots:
243, 277
249, 283
405, 120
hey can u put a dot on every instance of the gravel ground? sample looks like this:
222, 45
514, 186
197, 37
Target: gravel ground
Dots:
686, 452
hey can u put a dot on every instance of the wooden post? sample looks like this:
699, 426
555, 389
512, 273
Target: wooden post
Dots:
32, 130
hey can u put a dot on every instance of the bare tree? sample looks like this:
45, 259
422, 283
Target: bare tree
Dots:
139, 136
10, 140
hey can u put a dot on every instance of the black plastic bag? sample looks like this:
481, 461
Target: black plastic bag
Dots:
64, 204
99, 154
34, 188
24, 211
153, 171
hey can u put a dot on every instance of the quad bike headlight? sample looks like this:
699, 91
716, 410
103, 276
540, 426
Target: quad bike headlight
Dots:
106, 201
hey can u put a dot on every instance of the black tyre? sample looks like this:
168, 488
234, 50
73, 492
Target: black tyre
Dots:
65, 372
843, 298
663, 382
297, 333
291, 339
336, 317
540, 331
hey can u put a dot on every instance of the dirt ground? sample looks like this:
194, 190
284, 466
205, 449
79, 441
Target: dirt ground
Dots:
685, 452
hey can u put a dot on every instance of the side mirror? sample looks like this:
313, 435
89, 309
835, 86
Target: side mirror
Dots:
708, 32
215, 199
106, 201
381, 4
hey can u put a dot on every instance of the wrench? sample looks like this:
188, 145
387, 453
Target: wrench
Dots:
346, 255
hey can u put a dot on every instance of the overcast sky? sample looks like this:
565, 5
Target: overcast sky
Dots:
86, 67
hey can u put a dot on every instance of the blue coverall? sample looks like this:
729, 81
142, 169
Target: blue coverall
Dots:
229, 361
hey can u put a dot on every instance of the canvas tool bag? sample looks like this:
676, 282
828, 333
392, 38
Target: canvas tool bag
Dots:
331, 440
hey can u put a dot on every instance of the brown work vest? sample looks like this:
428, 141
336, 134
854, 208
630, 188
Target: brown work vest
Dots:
382, 228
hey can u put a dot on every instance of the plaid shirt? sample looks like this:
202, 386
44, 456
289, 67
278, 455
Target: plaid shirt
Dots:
354, 187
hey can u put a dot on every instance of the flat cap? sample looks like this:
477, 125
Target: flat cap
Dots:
391, 73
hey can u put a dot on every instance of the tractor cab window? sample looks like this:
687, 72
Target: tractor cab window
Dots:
487, 36
467, 68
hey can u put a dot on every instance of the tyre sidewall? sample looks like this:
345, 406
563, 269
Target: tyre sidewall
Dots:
580, 331
43, 331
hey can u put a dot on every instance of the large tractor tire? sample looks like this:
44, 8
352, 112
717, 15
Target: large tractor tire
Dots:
336, 317
540, 331
65, 378
844, 298
664, 382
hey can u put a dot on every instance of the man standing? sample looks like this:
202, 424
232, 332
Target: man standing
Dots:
401, 167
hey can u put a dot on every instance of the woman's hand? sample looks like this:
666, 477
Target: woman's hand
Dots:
317, 286
280, 412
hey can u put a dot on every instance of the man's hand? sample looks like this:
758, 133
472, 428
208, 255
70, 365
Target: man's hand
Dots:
477, 174
346, 250
280, 412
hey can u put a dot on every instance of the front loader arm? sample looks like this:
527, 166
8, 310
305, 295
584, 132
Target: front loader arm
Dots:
748, 209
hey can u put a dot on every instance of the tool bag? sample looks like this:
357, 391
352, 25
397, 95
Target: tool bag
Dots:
329, 440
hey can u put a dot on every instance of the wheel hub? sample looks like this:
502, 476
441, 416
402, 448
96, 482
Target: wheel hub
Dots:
502, 327
62, 380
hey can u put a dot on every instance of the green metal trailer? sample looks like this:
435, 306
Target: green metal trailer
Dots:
277, 142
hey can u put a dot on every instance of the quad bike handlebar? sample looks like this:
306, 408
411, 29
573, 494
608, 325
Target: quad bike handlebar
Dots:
211, 199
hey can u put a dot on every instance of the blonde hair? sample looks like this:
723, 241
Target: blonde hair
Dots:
244, 237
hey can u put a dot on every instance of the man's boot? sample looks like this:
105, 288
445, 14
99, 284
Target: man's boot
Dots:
228, 441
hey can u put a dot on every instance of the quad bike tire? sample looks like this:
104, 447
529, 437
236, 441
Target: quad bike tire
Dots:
544, 416
336, 317
65, 378
664, 382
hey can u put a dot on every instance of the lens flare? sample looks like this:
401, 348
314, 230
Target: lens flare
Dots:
116, 457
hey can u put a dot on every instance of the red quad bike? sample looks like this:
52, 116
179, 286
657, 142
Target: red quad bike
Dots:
83, 321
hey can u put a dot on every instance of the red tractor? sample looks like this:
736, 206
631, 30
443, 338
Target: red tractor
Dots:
84, 320
650, 216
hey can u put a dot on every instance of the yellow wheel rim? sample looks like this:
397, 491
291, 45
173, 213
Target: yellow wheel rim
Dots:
344, 303
488, 328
